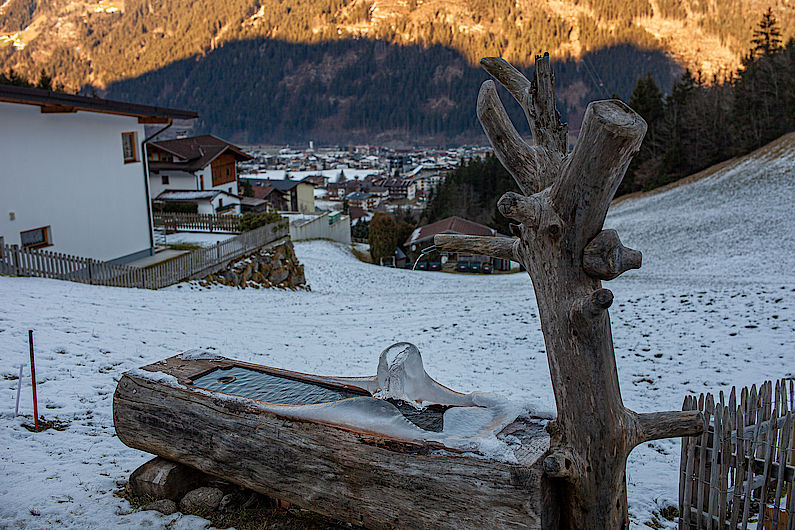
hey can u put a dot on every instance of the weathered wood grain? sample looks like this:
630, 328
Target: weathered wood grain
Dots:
606, 258
562, 210
368, 480
496, 247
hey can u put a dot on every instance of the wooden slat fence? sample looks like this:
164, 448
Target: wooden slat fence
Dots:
15, 261
175, 221
740, 472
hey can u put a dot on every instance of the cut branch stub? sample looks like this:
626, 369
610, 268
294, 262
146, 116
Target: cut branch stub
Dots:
610, 136
526, 210
605, 258
562, 464
658, 425
495, 247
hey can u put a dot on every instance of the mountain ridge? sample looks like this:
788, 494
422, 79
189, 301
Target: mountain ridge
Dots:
102, 45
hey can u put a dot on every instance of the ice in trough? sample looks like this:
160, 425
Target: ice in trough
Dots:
402, 401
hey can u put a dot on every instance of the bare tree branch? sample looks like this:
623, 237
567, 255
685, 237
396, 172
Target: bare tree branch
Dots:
537, 99
514, 153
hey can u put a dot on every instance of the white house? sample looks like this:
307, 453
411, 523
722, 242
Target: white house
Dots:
197, 163
206, 201
72, 177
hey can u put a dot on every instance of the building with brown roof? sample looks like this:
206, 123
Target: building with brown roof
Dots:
422, 237
198, 163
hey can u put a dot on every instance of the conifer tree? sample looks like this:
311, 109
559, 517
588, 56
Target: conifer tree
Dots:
767, 35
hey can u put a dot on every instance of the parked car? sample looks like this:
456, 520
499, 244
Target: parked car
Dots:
462, 266
434, 265
487, 268
475, 266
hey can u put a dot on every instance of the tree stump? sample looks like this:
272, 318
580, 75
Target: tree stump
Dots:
562, 208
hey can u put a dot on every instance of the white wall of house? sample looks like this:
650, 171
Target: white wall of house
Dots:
223, 187
183, 180
223, 200
177, 180
67, 171
204, 179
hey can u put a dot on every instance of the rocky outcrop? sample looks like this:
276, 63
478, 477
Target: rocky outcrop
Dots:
274, 267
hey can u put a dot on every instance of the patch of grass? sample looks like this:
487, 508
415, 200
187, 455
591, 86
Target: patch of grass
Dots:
184, 246
46, 425
362, 256
670, 513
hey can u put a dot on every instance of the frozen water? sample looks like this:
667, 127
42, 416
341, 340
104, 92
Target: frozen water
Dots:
401, 375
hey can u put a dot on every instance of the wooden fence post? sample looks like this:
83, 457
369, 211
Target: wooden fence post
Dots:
15, 260
90, 272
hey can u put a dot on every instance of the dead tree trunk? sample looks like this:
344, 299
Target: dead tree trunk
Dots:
562, 245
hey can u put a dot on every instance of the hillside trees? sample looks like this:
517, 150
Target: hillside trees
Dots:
700, 125
383, 237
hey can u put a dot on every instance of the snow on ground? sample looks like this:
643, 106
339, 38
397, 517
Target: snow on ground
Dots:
204, 239
714, 305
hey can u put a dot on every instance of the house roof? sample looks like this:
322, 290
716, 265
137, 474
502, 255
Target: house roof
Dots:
191, 195
358, 196
251, 201
260, 192
286, 185
450, 225
196, 152
60, 102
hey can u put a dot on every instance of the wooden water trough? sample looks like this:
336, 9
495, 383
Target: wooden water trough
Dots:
327, 445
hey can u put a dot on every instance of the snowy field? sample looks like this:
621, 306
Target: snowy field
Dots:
713, 306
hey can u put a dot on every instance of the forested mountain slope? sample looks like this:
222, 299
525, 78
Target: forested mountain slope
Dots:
100, 42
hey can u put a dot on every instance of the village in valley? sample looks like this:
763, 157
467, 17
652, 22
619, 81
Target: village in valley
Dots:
563, 325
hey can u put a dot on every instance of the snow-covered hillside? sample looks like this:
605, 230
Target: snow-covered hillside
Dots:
713, 305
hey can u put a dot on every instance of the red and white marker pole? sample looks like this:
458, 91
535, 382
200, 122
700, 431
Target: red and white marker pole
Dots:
33, 380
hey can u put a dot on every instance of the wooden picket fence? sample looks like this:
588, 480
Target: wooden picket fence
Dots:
741, 470
175, 221
15, 261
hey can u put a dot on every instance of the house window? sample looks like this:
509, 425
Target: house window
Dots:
128, 149
220, 203
36, 238
164, 179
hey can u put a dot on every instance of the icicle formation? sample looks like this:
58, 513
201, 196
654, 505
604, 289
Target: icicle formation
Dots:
401, 375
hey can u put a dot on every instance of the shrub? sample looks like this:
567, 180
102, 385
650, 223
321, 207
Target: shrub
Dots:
383, 236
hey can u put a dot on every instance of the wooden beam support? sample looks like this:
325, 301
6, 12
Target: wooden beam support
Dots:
496, 247
153, 120
57, 109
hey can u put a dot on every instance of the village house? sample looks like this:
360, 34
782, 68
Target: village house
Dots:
286, 195
73, 176
422, 237
198, 163
208, 202
367, 201
400, 189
